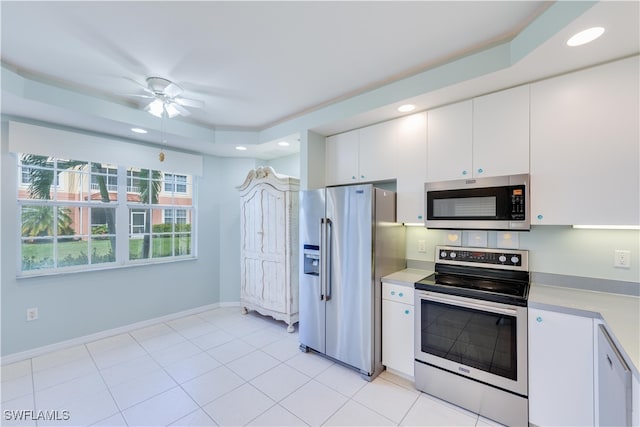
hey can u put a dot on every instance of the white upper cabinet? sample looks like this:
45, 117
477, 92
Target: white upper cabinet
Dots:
342, 158
483, 137
412, 167
392, 150
449, 142
362, 155
378, 151
501, 133
585, 151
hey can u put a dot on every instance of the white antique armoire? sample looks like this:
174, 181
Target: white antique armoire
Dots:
269, 245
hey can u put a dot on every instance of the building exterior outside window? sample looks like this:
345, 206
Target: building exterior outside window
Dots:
69, 214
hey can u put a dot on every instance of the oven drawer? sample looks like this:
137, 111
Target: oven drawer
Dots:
398, 293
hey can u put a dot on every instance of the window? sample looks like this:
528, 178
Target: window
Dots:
69, 208
175, 216
106, 175
160, 218
175, 183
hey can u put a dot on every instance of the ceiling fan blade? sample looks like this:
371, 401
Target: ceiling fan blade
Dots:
137, 95
183, 111
141, 85
195, 103
172, 90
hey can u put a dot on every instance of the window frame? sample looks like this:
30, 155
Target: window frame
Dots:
122, 219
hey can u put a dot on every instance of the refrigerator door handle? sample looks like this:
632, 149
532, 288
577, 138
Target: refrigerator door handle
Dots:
323, 258
328, 266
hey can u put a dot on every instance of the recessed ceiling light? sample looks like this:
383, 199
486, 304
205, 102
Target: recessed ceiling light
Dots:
283, 144
586, 36
406, 108
138, 130
241, 148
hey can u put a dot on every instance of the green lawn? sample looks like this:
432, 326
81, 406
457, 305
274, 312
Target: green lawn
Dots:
40, 255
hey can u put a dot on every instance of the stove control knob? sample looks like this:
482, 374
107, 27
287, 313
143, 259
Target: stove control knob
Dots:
443, 254
502, 258
452, 255
515, 259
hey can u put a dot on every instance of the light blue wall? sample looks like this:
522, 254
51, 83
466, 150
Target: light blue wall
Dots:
556, 250
289, 165
233, 173
74, 305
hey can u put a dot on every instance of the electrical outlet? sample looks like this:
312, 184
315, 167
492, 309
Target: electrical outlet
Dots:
32, 314
422, 246
621, 258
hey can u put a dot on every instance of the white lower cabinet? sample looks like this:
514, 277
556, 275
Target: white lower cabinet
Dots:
561, 374
397, 328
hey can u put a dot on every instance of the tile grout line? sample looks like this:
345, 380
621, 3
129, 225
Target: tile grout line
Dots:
108, 389
162, 367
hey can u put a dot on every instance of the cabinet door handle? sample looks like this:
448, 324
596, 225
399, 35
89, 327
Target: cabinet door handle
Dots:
480, 170
407, 312
464, 172
393, 292
400, 294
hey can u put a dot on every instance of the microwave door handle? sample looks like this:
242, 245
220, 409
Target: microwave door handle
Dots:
472, 305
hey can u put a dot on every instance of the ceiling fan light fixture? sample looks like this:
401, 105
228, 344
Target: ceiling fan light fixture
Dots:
155, 108
171, 110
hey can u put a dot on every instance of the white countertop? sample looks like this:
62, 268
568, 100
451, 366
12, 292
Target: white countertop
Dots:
621, 313
406, 277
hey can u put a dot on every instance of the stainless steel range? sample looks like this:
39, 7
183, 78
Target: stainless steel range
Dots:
471, 331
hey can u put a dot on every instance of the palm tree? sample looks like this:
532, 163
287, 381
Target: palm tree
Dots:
37, 221
149, 194
41, 179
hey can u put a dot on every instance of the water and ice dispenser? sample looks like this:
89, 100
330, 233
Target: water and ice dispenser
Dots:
311, 260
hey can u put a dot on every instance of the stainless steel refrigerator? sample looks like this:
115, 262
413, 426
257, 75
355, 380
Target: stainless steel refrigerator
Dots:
350, 239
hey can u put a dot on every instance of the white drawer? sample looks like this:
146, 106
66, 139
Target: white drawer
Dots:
399, 293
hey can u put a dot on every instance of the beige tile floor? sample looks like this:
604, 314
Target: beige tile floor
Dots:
218, 367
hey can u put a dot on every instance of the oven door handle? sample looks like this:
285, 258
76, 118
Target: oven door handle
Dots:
466, 304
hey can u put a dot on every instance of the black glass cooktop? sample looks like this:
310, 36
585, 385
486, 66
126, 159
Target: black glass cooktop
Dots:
509, 287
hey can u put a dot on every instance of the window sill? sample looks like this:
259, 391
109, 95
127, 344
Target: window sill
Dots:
106, 267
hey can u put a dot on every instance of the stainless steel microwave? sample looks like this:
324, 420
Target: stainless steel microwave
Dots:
496, 203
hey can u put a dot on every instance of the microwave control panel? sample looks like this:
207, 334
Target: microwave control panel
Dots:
517, 203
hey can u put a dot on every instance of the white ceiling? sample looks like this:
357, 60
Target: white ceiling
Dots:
259, 65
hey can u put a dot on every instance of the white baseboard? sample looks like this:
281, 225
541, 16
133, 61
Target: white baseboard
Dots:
39, 351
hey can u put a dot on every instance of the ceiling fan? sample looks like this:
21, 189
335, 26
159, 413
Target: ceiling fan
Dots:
165, 98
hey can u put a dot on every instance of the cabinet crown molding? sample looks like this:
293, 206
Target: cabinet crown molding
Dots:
266, 175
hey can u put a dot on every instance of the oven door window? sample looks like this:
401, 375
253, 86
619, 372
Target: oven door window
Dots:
475, 338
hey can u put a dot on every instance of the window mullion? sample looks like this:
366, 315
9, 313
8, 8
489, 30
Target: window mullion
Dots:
122, 218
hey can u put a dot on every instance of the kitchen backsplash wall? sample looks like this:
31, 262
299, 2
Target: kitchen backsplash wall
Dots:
554, 249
